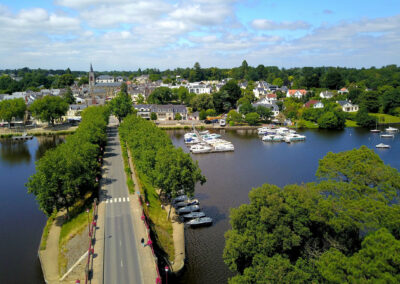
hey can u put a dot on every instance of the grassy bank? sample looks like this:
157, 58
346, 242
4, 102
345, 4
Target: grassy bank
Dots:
351, 123
127, 168
77, 222
43, 133
386, 118
46, 230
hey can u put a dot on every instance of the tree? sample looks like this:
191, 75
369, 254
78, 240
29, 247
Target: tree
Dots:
222, 102
121, 105
10, 109
391, 100
246, 108
211, 112
234, 116
83, 80
332, 120
140, 99
202, 102
178, 116
202, 114
153, 116
277, 82
124, 88
363, 119
265, 113
69, 97
233, 91
49, 108
160, 95
336, 230
332, 80
370, 101
252, 118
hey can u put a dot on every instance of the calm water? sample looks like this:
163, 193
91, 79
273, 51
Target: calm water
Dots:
21, 222
230, 177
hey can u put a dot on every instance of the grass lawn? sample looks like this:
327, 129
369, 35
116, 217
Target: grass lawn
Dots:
351, 123
386, 118
45, 234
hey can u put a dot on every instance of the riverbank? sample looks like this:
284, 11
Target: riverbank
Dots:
43, 131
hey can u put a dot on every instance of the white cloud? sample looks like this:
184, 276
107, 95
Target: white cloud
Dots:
264, 24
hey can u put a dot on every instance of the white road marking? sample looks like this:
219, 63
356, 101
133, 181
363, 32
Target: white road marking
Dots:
122, 265
107, 201
123, 199
119, 200
110, 200
127, 199
115, 199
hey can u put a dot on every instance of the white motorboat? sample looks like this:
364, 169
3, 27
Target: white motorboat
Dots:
375, 130
187, 203
224, 147
205, 132
267, 138
387, 135
391, 129
180, 198
192, 215
188, 209
193, 140
294, 137
200, 221
211, 136
199, 149
266, 131
382, 146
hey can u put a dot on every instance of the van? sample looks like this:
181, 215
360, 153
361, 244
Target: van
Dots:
222, 122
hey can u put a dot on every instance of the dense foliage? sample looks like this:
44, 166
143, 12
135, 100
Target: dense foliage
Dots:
64, 174
49, 108
342, 229
121, 105
169, 168
10, 109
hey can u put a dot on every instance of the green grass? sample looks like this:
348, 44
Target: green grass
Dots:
77, 222
386, 118
46, 230
128, 172
351, 123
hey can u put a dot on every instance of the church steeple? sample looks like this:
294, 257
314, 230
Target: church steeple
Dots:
91, 79
91, 68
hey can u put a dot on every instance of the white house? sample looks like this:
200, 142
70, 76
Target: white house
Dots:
343, 91
348, 106
259, 92
105, 79
318, 105
326, 95
296, 94
199, 88
268, 99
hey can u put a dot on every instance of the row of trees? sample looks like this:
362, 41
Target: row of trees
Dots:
343, 228
167, 167
65, 174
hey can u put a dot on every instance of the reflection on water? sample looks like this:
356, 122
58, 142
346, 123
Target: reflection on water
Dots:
14, 152
230, 177
20, 218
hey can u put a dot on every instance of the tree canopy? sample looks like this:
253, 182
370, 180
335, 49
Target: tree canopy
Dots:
121, 105
342, 228
49, 108
10, 109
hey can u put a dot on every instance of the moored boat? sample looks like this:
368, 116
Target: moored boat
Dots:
200, 221
199, 149
294, 137
180, 198
193, 215
387, 135
187, 203
391, 129
382, 146
188, 209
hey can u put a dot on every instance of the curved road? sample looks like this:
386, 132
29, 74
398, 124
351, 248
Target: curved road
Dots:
121, 258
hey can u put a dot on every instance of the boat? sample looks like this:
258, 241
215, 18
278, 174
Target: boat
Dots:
391, 129
193, 215
273, 138
294, 137
180, 198
192, 140
223, 147
199, 149
200, 221
23, 137
187, 203
211, 136
376, 130
387, 135
382, 146
188, 209
205, 132
265, 131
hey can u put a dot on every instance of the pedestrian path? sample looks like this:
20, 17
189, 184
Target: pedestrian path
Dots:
117, 200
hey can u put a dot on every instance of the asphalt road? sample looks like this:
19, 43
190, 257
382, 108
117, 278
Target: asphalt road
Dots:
121, 259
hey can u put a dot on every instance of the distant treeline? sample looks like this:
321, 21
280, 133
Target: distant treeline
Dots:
304, 77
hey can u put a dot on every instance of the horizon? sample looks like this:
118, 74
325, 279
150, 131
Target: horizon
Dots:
168, 34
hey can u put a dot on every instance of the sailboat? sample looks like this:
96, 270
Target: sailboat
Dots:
376, 130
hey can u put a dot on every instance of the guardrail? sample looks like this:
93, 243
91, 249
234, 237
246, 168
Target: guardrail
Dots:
91, 229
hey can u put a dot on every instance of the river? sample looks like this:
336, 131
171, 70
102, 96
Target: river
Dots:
230, 177
20, 218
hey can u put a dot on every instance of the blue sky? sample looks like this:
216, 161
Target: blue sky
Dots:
128, 34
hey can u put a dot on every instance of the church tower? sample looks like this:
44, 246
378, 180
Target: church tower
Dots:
91, 79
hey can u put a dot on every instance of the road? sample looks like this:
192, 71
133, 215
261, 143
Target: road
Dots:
121, 249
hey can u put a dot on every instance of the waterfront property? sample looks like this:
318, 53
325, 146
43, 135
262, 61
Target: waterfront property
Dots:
163, 112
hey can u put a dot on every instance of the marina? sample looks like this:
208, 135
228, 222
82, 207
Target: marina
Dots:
281, 134
206, 142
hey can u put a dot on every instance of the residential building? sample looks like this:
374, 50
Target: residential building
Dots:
347, 106
326, 95
105, 79
343, 91
199, 88
273, 107
296, 94
164, 112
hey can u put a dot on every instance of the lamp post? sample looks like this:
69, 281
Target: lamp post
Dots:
166, 274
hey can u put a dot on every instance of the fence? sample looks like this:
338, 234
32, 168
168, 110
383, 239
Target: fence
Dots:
92, 228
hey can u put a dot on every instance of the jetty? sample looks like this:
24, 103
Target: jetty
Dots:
23, 137
206, 142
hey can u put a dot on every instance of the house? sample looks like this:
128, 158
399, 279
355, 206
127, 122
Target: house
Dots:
343, 91
268, 99
318, 105
164, 112
243, 85
105, 79
310, 103
274, 108
347, 106
326, 95
296, 94
258, 92
199, 88
74, 111
119, 79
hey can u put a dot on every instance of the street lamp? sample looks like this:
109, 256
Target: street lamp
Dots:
166, 274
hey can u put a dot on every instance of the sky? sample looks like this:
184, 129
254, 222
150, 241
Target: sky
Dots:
166, 34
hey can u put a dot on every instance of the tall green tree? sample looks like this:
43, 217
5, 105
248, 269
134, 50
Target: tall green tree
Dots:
68, 96
161, 95
10, 109
49, 108
121, 105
